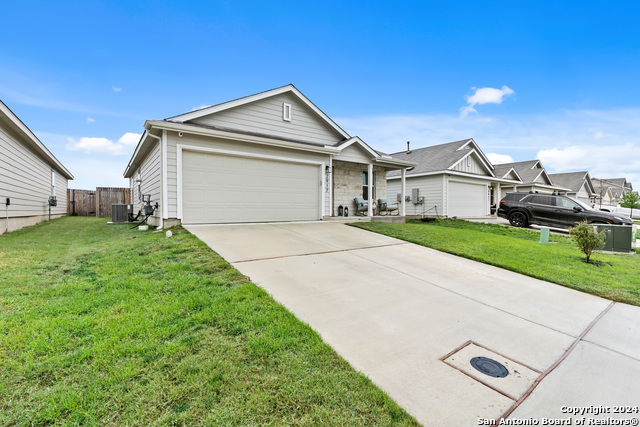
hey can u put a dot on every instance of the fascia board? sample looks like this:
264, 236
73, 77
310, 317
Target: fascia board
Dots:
21, 128
462, 174
393, 162
128, 172
478, 152
485, 165
356, 140
179, 127
252, 98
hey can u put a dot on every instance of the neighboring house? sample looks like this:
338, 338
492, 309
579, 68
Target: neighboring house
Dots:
579, 183
455, 179
603, 193
619, 187
273, 156
29, 175
533, 175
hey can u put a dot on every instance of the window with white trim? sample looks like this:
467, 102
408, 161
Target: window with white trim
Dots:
286, 112
365, 185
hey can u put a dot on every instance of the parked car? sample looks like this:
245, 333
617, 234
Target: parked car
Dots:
522, 209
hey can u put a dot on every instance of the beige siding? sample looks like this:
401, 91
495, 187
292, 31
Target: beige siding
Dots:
471, 164
265, 117
431, 188
151, 180
26, 179
218, 144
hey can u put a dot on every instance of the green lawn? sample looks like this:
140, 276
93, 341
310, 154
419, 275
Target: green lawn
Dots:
616, 278
107, 325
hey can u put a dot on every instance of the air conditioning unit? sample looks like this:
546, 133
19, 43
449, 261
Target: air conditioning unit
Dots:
120, 213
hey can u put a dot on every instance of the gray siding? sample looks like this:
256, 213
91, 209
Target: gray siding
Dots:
151, 180
265, 117
471, 164
26, 179
354, 153
207, 142
431, 188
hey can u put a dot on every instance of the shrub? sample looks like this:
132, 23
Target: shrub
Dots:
586, 238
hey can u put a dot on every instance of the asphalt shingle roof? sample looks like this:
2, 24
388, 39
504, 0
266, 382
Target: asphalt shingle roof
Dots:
572, 180
524, 169
432, 159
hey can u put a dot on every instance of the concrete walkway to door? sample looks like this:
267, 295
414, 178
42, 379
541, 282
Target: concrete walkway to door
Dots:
412, 319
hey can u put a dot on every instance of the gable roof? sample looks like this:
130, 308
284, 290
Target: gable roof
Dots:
183, 123
529, 170
11, 121
619, 182
442, 157
256, 97
573, 180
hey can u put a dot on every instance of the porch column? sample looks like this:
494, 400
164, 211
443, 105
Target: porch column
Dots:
370, 189
403, 189
330, 185
498, 198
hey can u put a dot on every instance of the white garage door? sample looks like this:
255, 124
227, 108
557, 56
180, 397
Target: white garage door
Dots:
218, 188
467, 200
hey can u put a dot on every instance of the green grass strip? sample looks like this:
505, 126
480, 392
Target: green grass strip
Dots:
617, 277
104, 325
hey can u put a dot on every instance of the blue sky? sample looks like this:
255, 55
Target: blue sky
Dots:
559, 81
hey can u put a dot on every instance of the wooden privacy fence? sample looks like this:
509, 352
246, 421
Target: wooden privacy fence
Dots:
96, 203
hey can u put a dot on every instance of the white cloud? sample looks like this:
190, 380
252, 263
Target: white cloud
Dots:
497, 159
117, 89
200, 107
130, 139
104, 145
485, 95
90, 120
602, 161
521, 137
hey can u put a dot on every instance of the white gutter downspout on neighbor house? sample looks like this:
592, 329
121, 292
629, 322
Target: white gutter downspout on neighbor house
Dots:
160, 141
403, 190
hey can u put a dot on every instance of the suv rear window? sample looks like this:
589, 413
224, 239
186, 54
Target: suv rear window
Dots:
542, 200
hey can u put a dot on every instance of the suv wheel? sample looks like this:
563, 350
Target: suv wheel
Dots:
518, 219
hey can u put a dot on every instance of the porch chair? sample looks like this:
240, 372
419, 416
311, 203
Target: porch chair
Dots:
362, 207
388, 208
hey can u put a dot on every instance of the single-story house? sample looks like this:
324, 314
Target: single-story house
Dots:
272, 156
579, 183
454, 179
603, 192
533, 175
619, 187
29, 175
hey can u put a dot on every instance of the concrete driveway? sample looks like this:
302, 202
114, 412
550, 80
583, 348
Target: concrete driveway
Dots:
412, 318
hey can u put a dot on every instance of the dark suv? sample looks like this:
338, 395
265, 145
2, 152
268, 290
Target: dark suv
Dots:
522, 209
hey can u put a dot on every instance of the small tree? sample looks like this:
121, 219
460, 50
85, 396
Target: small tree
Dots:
587, 239
630, 200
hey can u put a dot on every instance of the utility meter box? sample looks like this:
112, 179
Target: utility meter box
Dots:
53, 201
617, 238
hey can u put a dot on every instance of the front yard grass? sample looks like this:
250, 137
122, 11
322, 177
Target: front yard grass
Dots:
107, 325
616, 278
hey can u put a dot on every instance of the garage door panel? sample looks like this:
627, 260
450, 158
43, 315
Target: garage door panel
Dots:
221, 188
467, 200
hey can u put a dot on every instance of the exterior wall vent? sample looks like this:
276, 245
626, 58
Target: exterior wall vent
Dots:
286, 112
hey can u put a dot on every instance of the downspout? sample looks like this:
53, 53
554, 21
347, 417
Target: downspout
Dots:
331, 185
157, 138
403, 190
